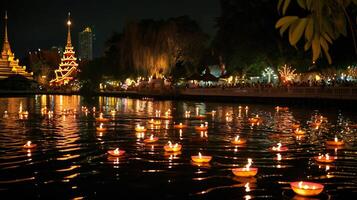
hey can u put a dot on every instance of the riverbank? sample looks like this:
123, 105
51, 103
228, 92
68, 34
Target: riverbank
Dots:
345, 95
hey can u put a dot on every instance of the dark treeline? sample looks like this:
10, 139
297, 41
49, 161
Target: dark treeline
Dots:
246, 42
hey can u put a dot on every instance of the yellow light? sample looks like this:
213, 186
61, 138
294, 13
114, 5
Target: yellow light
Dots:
69, 22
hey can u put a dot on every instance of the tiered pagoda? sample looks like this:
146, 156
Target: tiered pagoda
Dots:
67, 70
8, 64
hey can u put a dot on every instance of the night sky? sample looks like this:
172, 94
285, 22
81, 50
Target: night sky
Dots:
42, 23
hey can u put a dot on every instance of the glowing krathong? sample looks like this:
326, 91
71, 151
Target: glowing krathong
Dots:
246, 171
116, 152
201, 159
304, 188
172, 148
238, 141
29, 145
152, 139
324, 158
279, 148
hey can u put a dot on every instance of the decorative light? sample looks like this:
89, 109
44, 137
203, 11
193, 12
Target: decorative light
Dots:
287, 74
247, 171
29, 145
201, 159
304, 188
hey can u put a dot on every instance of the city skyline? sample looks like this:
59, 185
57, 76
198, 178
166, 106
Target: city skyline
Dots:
39, 24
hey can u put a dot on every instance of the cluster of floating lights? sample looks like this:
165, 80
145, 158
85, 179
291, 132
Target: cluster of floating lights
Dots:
300, 187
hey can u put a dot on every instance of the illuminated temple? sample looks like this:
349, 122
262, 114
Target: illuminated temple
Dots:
8, 64
68, 67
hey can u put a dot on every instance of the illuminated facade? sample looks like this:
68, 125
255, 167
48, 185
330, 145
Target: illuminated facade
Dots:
8, 64
68, 67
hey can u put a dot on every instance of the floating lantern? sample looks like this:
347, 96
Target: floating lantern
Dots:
152, 139
254, 120
324, 158
101, 118
201, 159
202, 127
335, 142
238, 141
101, 128
304, 188
298, 131
29, 145
180, 126
139, 128
172, 148
116, 152
279, 148
247, 171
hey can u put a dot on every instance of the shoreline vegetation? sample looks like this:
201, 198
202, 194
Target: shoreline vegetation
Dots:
345, 95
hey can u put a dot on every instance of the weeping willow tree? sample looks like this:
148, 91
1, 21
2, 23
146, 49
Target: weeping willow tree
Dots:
324, 22
154, 47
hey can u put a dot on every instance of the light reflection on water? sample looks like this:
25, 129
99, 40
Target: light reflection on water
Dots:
71, 160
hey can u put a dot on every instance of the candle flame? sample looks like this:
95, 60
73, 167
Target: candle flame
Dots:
116, 151
151, 137
237, 138
199, 155
28, 143
336, 139
278, 156
101, 125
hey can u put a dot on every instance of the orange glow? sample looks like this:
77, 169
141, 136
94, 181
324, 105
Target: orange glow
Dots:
172, 148
201, 159
116, 152
279, 148
101, 118
139, 128
29, 145
202, 127
324, 158
247, 171
101, 128
180, 126
238, 141
335, 142
152, 139
299, 132
306, 188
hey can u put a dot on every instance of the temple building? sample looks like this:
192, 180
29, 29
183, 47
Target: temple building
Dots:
8, 64
67, 70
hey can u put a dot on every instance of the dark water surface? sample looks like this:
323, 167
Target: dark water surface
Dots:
71, 160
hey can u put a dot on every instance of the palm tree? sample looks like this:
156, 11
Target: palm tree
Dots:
325, 21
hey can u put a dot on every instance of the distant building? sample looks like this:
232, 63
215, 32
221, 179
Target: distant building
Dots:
67, 69
8, 64
85, 50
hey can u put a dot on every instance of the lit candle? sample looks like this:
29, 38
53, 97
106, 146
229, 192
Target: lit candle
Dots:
324, 158
238, 141
116, 152
172, 148
335, 142
29, 145
101, 128
201, 159
202, 127
101, 118
304, 188
279, 148
152, 139
247, 171
180, 126
139, 128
